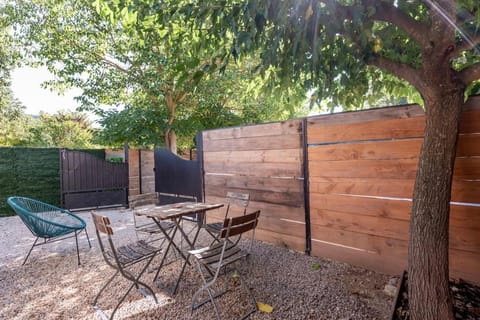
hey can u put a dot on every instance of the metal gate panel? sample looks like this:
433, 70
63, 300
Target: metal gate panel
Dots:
87, 181
175, 175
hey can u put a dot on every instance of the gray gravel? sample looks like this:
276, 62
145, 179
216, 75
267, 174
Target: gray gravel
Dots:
52, 286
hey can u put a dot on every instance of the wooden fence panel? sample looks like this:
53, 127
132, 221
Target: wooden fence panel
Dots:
267, 162
361, 172
362, 169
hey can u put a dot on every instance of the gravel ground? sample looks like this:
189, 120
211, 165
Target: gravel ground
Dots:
52, 286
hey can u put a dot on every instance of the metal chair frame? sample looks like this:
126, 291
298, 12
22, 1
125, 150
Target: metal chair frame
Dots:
151, 228
210, 260
48, 222
234, 199
121, 259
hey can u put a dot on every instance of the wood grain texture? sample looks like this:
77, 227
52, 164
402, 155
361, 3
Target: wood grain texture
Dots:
370, 150
255, 169
290, 127
278, 142
253, 156
370, 130
253, 183
385, 169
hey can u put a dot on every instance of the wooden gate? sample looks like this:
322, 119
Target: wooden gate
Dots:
87, 181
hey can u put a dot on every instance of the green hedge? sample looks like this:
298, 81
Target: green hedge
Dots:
32, 173
29, 172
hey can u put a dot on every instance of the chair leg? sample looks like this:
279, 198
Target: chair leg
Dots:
28, 254
205, 287
103, 288
78, 251
88, 238
251, 297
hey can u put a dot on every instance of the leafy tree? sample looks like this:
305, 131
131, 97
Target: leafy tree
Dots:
62, 129
136, 57
219, 100
340, 48
12, 117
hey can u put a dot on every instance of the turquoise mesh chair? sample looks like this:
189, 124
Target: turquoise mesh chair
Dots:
47, 222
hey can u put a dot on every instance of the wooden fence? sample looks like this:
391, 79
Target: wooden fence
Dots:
361, 171
265, 161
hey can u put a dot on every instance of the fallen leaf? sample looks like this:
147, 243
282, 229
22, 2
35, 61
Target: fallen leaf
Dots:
264, 307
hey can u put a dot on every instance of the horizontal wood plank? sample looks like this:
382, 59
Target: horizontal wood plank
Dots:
471, 118
397, 188
460, 238
392, 262
462, 190
371, 130
290, 127
468, 144
378, 150
253, 156
461, 216
268, 209
465, 168
465, 265
372, 225
351, 117
292, 199
281, 240
281, 226
385, 169
254, 183
278, 170
375, 207
253, 143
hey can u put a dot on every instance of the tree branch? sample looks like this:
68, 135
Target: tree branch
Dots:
388, 13
470, 74
466, 44
401, 70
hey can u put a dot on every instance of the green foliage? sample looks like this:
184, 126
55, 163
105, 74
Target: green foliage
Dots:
136, 55
29, 172
63, 129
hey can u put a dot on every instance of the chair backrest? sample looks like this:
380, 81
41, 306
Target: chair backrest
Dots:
236, 201
238, 225
143, 199
45, 220
103, 227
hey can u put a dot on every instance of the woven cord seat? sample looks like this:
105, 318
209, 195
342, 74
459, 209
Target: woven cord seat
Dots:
47, 222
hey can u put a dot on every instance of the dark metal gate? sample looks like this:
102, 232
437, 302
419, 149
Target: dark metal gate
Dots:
87, 181
175, 175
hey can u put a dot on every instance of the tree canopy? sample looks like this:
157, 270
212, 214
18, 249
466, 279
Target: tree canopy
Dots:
147, 64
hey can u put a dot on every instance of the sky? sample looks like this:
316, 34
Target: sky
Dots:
26, 88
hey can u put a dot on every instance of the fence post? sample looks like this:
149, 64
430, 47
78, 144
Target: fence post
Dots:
306, 188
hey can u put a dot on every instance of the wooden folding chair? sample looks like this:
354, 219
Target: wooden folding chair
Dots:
210, 260
122, 258
146, 228
236, 203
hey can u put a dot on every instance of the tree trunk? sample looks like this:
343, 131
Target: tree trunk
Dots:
428, 275
171, 140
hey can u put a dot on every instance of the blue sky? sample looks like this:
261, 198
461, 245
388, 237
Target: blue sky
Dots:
26, 88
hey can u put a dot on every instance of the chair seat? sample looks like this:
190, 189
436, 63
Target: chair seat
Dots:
133, 252
47, 221
211, 256
153, 227
214, 226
